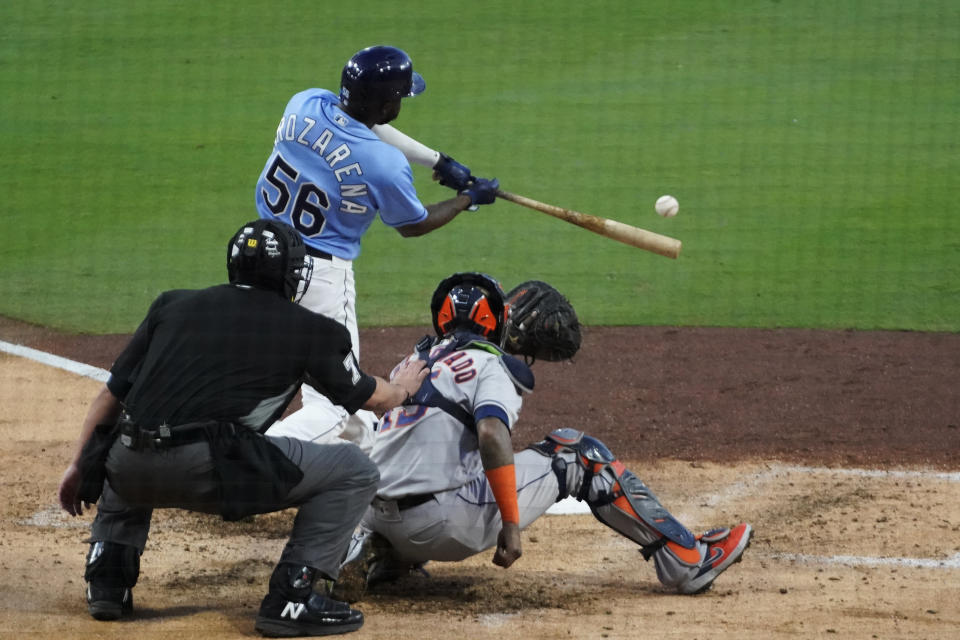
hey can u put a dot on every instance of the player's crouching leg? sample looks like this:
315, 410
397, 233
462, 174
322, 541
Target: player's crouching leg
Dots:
586, 469
339, 482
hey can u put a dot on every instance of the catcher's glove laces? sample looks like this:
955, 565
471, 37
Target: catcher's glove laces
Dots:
542, 323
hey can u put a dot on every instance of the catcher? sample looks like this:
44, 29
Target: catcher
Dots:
450, 483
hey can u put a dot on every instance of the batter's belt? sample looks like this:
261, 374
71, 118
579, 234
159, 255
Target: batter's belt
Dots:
317, 253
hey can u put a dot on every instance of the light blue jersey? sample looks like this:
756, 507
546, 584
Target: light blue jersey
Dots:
330, 175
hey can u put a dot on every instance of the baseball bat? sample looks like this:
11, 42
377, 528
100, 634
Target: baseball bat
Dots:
625, 233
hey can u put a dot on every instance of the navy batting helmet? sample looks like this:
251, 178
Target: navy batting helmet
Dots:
469, 301
377, 75
269, 255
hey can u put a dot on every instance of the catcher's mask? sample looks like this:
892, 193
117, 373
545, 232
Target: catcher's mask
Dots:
469, 301
269, 255
375, 76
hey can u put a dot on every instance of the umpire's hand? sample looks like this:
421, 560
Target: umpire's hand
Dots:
69, 490
508, 545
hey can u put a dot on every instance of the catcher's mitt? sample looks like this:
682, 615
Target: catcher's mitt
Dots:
541, 323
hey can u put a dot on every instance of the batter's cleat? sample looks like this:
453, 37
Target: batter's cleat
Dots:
724, 548
109, 603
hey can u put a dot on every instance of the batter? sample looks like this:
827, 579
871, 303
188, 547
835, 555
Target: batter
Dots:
328, 176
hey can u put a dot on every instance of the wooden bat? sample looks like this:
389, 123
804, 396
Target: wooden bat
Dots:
633, 236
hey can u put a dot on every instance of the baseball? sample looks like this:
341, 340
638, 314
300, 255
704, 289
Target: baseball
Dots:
667, 206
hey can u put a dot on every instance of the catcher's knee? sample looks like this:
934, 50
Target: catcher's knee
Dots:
557, 443
110, 564
586, 469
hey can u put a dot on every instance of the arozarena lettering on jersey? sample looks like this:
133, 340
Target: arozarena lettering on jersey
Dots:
288, 130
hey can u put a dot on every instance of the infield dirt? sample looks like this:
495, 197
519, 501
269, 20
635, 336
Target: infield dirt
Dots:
794, 431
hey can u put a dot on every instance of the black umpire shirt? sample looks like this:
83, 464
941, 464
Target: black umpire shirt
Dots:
232, 354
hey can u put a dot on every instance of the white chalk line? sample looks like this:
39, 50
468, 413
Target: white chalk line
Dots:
875, 473
752, 482
953, 562
50, 516
54, 516
85, 370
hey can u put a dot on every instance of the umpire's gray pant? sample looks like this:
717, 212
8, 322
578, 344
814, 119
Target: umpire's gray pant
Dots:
339, 481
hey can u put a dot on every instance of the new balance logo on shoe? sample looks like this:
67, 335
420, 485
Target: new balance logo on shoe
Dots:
293, 610
319, 615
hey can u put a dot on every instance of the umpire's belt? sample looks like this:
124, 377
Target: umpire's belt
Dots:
408, 502
134, 437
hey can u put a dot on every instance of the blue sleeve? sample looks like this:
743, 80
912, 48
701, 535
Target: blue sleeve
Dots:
491, 411
396, 198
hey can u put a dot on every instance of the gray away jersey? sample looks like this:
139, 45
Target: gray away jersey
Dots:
426, 450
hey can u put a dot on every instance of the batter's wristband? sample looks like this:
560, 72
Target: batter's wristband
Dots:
503, 482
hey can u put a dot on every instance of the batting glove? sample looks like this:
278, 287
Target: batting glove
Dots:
451, 173
482, 191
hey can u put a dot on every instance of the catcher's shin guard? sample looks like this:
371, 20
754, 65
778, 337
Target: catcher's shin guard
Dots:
616, 496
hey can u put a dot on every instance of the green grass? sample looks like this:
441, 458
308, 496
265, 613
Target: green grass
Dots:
814, 148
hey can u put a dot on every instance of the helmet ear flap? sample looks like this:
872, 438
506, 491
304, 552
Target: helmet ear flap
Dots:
446, 314
483, 316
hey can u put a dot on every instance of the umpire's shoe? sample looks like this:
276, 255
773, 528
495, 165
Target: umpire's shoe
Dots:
106, 603
292, 608
112, 570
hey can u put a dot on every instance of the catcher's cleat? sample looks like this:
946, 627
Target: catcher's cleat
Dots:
109, 603
351, 584
370, 561
390, 569
724, 548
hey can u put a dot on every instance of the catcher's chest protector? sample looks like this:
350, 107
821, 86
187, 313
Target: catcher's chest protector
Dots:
430, 351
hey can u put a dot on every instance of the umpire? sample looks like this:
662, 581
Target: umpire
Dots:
179, 424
